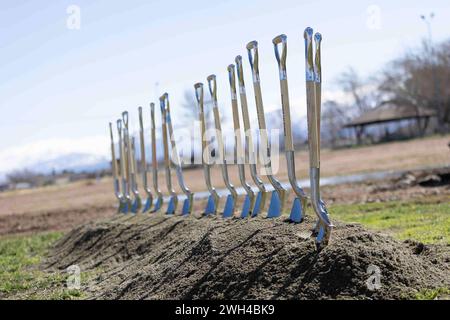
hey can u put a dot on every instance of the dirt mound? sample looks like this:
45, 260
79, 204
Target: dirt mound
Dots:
161, 257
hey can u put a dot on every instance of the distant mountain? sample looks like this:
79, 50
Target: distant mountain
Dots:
78, 162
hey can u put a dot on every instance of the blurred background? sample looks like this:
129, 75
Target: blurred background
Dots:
70, 67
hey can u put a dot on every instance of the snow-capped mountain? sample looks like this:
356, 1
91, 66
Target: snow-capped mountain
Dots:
78, 162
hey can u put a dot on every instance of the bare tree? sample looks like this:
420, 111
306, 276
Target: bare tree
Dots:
190, 113
24, 176
361, 94
419, 79
359, 90
334, 116
190, 108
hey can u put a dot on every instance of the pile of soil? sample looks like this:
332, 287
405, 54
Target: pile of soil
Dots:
170, 257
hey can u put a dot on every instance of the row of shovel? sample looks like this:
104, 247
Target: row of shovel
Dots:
125, 170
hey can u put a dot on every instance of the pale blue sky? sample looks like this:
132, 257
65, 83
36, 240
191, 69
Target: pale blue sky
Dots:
60, 87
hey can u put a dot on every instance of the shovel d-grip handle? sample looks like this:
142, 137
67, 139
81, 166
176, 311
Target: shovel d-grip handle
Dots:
281, 58
199, 95
252, 49
253, 57
278, 41
125, 119
212, 85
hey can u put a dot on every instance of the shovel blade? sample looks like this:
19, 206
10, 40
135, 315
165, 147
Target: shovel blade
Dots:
171, 206
187, 207
136, 206
228, 211
123, 207
210, 206
275, 206
257, 207
296, 211
320, 234
157, 205
147, 206
246, 207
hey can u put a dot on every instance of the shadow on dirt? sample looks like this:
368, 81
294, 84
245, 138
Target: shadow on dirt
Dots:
160, 257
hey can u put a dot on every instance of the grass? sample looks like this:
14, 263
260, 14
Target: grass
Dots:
19, 277
422, 221
425, 221
431, 294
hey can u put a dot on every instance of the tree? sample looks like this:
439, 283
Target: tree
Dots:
189, 106
361, 97
334, 116
24, 176
419, 79
360, 91
190, 113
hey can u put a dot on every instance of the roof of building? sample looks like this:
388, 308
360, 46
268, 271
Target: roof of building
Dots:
389, 112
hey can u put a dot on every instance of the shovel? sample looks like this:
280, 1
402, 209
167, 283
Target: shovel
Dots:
173, 202
137, 205
159, 196
230, 204
278, 197
189, 201
238, 148
299, 203
261, 196
116, 181
126, 199
213, 198
149, 201
131, 166
313, 75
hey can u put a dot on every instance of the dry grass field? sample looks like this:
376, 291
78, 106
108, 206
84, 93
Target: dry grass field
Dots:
61, 207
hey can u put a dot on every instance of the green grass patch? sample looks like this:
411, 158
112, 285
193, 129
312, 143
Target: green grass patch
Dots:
19, 277
431, 294
425, 222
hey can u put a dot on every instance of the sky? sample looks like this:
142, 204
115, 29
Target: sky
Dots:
60, 85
